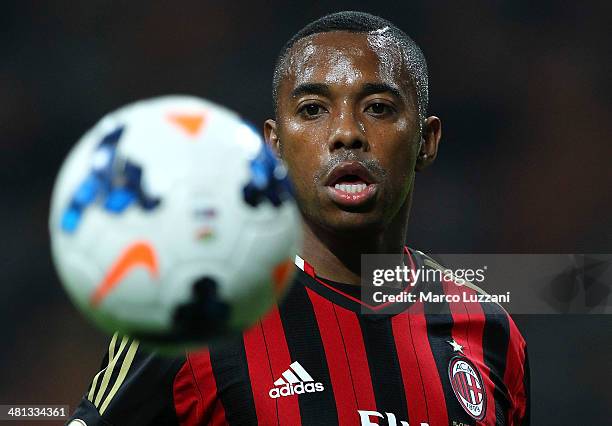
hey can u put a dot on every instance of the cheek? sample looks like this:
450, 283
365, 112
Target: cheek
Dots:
397, 153
305, 135
397, 145
303, 147
302, 159
300, 173
291, 129
403, 174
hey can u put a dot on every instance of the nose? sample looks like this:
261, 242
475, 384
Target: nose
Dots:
347, 132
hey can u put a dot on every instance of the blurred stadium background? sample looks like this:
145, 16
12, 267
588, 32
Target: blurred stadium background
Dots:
523, 90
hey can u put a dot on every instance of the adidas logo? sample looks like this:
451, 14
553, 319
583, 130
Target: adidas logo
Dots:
295, 381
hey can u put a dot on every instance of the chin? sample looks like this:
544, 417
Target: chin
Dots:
354, 224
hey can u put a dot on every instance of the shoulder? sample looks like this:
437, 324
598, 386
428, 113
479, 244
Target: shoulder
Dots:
133, 386
498, 321
503, 346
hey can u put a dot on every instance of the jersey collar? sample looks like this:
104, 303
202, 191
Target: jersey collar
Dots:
310, 279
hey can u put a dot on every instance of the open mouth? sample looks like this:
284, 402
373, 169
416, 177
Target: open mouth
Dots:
351, 184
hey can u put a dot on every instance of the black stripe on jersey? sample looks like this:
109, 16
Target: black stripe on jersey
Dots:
155, 399
306, 347
230, 369
439, 332
495, 340
384, 365
527, 388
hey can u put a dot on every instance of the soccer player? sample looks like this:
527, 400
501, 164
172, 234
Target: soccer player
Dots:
350, 93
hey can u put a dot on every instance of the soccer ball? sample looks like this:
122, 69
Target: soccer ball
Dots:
171, 221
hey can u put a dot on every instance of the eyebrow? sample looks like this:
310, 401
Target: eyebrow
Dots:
311, 89
372, 88
324, 90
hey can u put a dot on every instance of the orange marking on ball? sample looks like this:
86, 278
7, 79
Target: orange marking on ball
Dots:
138, 254
190, 123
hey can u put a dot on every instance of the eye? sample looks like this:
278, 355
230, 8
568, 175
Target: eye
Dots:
379, 109
311, 110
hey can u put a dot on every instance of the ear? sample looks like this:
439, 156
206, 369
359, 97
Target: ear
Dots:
271, 137
432, 132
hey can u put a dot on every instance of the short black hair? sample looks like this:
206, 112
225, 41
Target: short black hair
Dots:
361, 22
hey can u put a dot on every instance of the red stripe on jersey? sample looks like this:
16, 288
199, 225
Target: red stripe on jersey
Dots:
260, 372
187, 401
280, 359
338, 362
514, 375
268, 357
418, 368
468, 329
195, 392
309, 269
357, 357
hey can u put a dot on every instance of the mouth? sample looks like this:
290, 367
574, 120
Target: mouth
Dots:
350, 184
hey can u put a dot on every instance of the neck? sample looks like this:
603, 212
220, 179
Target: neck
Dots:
337, 256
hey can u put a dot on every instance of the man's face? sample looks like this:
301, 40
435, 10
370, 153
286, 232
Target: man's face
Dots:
348, 129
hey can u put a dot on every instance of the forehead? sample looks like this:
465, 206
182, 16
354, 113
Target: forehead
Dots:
344, 57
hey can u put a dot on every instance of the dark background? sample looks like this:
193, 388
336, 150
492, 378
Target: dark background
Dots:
522, 87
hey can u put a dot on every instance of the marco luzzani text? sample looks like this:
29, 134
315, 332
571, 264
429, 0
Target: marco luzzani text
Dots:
460, 277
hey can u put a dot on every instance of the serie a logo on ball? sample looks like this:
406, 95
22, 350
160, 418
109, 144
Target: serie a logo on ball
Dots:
468, 386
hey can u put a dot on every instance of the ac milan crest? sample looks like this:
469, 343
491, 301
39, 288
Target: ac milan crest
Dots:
468, 386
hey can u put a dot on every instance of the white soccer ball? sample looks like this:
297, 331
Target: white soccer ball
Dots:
171, 221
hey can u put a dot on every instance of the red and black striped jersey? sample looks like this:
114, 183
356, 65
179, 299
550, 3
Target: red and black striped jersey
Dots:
320, 358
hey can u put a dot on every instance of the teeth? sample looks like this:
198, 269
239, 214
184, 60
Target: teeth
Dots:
351, 188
